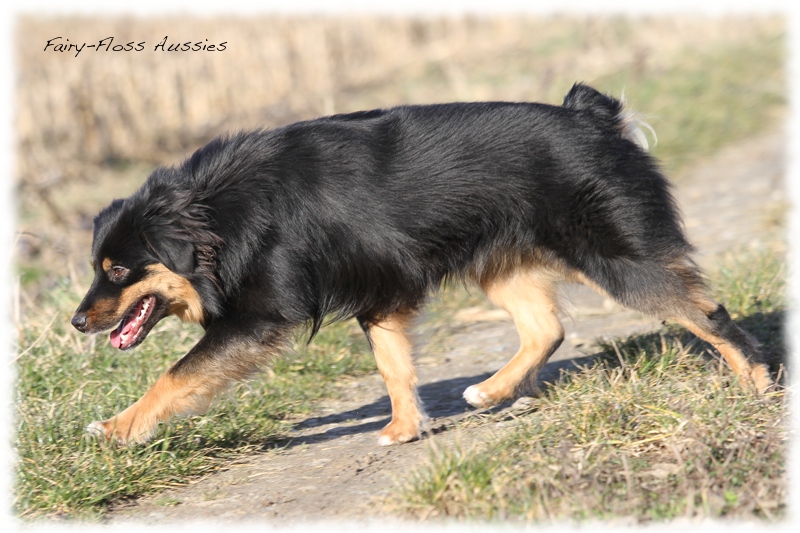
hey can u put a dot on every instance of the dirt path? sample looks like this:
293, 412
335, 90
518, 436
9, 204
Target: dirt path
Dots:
334, 469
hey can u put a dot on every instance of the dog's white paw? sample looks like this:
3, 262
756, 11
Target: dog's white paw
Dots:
386, 440
477, 398
102, 431
96, 430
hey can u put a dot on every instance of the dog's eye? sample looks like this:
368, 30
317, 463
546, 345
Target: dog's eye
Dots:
117, 273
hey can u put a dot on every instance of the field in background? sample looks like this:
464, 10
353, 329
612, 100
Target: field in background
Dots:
90, 128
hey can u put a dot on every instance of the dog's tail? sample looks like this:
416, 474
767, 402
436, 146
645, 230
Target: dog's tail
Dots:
610, 111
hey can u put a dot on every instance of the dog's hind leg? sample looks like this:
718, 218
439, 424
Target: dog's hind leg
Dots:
682, 296
709, 320
529, 296
393, 355
223, 355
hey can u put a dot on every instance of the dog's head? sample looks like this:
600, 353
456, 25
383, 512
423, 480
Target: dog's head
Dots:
142, 269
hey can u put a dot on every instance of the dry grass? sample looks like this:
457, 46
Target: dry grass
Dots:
623, 442
149, 105
91, 128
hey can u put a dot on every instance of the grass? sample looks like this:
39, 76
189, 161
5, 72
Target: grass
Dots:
66, 380
656, 429
706, 99
698, 99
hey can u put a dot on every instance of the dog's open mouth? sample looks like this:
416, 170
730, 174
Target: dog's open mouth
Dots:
132, 326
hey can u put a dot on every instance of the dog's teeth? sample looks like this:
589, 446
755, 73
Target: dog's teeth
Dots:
145, 307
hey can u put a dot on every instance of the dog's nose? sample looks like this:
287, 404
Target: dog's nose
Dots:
79, 321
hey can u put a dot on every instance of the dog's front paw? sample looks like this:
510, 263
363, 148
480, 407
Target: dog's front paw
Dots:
97, 430
107, 431
103, 431
115, 429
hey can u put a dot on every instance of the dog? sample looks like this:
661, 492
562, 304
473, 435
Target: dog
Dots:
365, 214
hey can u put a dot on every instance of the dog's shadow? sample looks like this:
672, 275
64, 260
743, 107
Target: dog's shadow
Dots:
441, 399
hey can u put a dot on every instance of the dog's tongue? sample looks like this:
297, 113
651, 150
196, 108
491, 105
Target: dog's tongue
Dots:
131, 324
116, 335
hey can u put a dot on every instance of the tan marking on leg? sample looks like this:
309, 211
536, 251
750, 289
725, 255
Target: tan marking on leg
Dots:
171, 395
529, 296
759, 375
690, 305
755, 373
190, 385
705, 304
505, 264
750, 372
393, 354
579, 277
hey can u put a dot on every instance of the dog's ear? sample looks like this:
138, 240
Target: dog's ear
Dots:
175, 253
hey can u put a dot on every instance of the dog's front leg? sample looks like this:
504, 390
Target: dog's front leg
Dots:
226, 353
392, 349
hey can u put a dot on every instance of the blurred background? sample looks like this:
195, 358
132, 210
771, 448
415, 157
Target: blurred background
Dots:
91, 128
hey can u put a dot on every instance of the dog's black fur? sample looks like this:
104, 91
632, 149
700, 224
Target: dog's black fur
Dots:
365, 214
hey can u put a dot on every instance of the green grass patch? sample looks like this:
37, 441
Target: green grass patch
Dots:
706, 99
697, 98
66, 380
656, 429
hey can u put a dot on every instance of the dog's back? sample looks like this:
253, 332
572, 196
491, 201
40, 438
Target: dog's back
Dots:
417, 194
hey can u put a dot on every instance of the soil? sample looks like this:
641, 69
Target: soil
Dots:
333, 467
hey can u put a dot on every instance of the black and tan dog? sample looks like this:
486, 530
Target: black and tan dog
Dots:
363, 215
